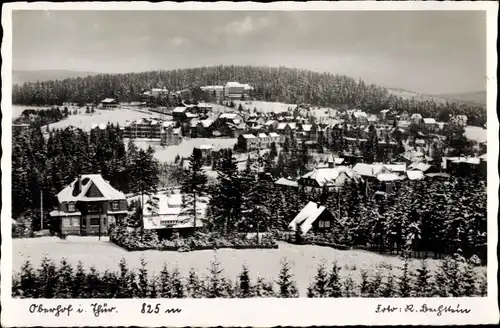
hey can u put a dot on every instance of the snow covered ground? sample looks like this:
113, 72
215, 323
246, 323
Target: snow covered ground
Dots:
476, 133
185, 148
85, 121
265, 263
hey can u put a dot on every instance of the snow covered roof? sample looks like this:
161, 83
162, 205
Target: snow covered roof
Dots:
205, 147
262, 135
383, 111
207, 123
307, 127
429, 120
419, 166
248, 136
281, 126
306, 217
468, 160
286, 182
369, 170
191, 115
108, 101
292, 125
389, 177
396, 167
72, 192
358, 114
270, 122
335, 176
274, 135
167, 124
179, 110
229, 116
415, 175
415, 116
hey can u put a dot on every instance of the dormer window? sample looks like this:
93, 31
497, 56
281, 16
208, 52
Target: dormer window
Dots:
71, 207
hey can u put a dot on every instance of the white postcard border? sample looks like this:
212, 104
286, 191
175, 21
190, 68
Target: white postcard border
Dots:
253, 312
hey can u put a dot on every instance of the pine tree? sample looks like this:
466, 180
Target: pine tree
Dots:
164, 285
193, 187
79, 281
405, 281
287, 286
319, 288
47, 278
91, 281
194, 285
177, 284
28, 281
388, 288
375, 284
334, 286
65, 282
423, 283
455, 278
349, 288
225, 203
214, 286
483, 285
123, 280
364, 284
469, 281
143, 280
245, 286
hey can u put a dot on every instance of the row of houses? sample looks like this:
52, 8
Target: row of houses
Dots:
90, 205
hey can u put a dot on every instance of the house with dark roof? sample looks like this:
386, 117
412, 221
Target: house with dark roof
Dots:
88, 205
314, 217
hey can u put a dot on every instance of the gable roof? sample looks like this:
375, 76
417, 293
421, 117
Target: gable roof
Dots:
286, 182
179, 109
330, 176
420, 166
70, 192
306, 217
429, 120
108, 100
415, 175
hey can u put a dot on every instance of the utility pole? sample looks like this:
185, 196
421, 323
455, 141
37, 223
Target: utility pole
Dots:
41, 209
100, 221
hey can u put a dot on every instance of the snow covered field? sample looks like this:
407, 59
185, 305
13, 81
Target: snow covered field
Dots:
185, 148
476, 133
266, 263
85, 121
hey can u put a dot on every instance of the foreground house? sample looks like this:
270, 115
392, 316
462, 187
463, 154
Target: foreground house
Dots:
315, 218
89, 205
168, 218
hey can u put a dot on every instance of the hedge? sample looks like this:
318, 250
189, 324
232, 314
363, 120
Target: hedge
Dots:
148, 240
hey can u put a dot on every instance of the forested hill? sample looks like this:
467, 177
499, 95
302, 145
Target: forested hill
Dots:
271, 84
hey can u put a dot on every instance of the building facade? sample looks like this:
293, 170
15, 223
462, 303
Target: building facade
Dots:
88, 206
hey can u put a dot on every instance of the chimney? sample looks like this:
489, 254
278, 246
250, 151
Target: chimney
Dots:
79, 183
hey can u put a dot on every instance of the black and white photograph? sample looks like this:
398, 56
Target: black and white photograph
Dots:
250, 154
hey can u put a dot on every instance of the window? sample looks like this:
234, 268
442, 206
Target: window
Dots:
71, 207
115, 205
94, 221
321, 224
327, 224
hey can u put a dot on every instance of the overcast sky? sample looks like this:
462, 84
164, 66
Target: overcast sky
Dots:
431, 52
